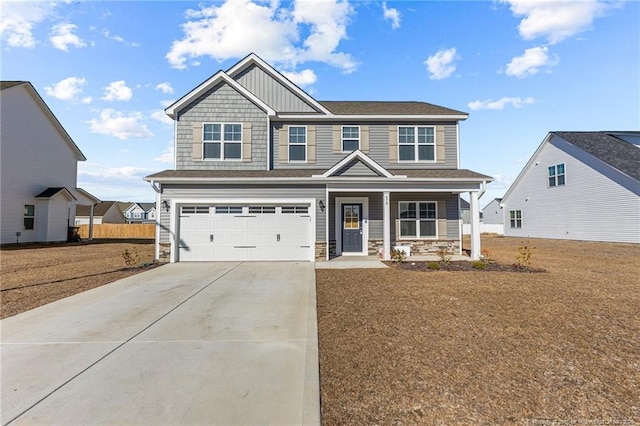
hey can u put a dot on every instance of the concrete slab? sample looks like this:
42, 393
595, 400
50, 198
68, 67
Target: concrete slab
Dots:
205, 343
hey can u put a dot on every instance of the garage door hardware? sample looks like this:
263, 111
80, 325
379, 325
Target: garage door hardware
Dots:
244, 246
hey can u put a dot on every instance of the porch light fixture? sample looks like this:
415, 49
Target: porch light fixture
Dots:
165, 205
321, 204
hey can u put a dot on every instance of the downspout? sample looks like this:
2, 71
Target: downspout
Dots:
158, 190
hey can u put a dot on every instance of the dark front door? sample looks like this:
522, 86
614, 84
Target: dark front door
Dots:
352, 228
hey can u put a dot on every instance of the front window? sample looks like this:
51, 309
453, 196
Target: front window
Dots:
350, 138
297, 143
222, 141
29, 215
417, 219
556, 175
515, 218
416, 143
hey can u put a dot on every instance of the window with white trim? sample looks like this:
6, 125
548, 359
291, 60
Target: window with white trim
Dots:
294, 209
418, 219
416, 143
228, 209
262, 209
297, 143
515, 218
557, 175
29, 216
222, 141
350, 138
194, 210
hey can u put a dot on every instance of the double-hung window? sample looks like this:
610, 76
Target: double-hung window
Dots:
29, 216
350, 138
418, 219
416, 143
297, 143
222, 141
515, 218
556, 175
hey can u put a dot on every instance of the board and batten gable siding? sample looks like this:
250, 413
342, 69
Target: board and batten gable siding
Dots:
222, 104
271, 91
377, 135
590, 206
209, 192
35, 156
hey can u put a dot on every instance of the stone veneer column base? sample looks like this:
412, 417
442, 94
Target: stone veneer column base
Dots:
165, 252
321, 252
423, 247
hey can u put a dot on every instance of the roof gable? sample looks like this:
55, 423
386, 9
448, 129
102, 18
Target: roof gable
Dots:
99, 209
54, 191
350, 160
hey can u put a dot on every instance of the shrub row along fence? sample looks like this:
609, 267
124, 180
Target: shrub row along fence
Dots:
117, 230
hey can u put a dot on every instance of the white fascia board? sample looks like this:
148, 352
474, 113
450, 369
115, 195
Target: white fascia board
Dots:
255, 59
526, 167
218, 77
362, 157
312, 117
88, 196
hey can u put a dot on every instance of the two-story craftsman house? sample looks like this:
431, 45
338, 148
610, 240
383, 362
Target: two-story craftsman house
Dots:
266, 172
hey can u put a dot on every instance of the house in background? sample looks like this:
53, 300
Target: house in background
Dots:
492, 213
578, 186
140, 213
266, 172
38, 169
103, 212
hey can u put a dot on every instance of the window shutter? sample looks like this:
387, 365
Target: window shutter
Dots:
337, 138
364, 139
246, 142
283, 137
393, 144
197, 142
440, 155
442, 219
311, 144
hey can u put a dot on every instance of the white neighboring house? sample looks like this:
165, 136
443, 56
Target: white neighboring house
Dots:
492, 213
38, 169
140, 213
578, 186
104, 212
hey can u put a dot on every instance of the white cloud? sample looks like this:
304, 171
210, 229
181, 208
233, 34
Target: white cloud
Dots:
530, 62
167, 102
237, 27
303, 78
159, 115
102, 171
17, 20
62, 37
515, 102
167, 156
391, 14
117, 91
440, 65
116, 124
66, 89
119, 39
165, 87
556, 20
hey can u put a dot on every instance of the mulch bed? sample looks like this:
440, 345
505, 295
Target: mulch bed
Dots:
462, 265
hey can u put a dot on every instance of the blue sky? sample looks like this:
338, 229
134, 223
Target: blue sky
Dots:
520, 68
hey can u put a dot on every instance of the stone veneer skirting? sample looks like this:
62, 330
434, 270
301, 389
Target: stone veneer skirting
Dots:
165, 252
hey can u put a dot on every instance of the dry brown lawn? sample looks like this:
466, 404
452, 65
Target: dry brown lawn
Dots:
34, 275
478, 347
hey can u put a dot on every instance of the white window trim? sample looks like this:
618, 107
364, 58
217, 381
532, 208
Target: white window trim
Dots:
516, 219
306, 144
556, 175
342, 138
416, 144
222, 142
417, 220
25, 216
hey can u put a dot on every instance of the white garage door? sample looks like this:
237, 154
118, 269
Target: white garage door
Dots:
248, 232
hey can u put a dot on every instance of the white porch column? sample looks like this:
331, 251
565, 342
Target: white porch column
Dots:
386, 227
475, 226
91, 222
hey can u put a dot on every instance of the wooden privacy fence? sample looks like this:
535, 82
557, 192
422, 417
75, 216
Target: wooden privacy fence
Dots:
117, 230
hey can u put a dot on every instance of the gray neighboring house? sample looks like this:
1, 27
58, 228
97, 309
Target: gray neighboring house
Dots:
103, 212
578, 186
465, 211
492, 213
266, 172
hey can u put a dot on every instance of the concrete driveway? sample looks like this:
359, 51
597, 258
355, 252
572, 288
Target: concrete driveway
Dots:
198, 343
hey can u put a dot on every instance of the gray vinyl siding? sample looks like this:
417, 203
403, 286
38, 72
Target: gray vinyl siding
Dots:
271, 91
597, 203
378, 147
376, 231
221, 104
492, 213
208, 192
451, 204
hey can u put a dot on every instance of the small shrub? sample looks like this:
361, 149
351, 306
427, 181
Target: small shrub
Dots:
485, 256
131, 258
398, 256
479, 264
525, 251
434, 266
444, 254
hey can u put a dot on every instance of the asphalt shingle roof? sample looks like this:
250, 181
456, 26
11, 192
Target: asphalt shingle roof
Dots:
386, 108
99, 209
616, 152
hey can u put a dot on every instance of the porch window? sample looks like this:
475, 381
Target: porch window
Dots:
297, 143
556, 175
29, 215
222, 141
416, 143
418, 219
515, 218
350, 138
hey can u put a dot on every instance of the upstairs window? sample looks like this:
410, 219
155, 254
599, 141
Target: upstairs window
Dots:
29, 216
222, 141
297, 144
416, 143
556, 175
350, 138
515, 218
417, 219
